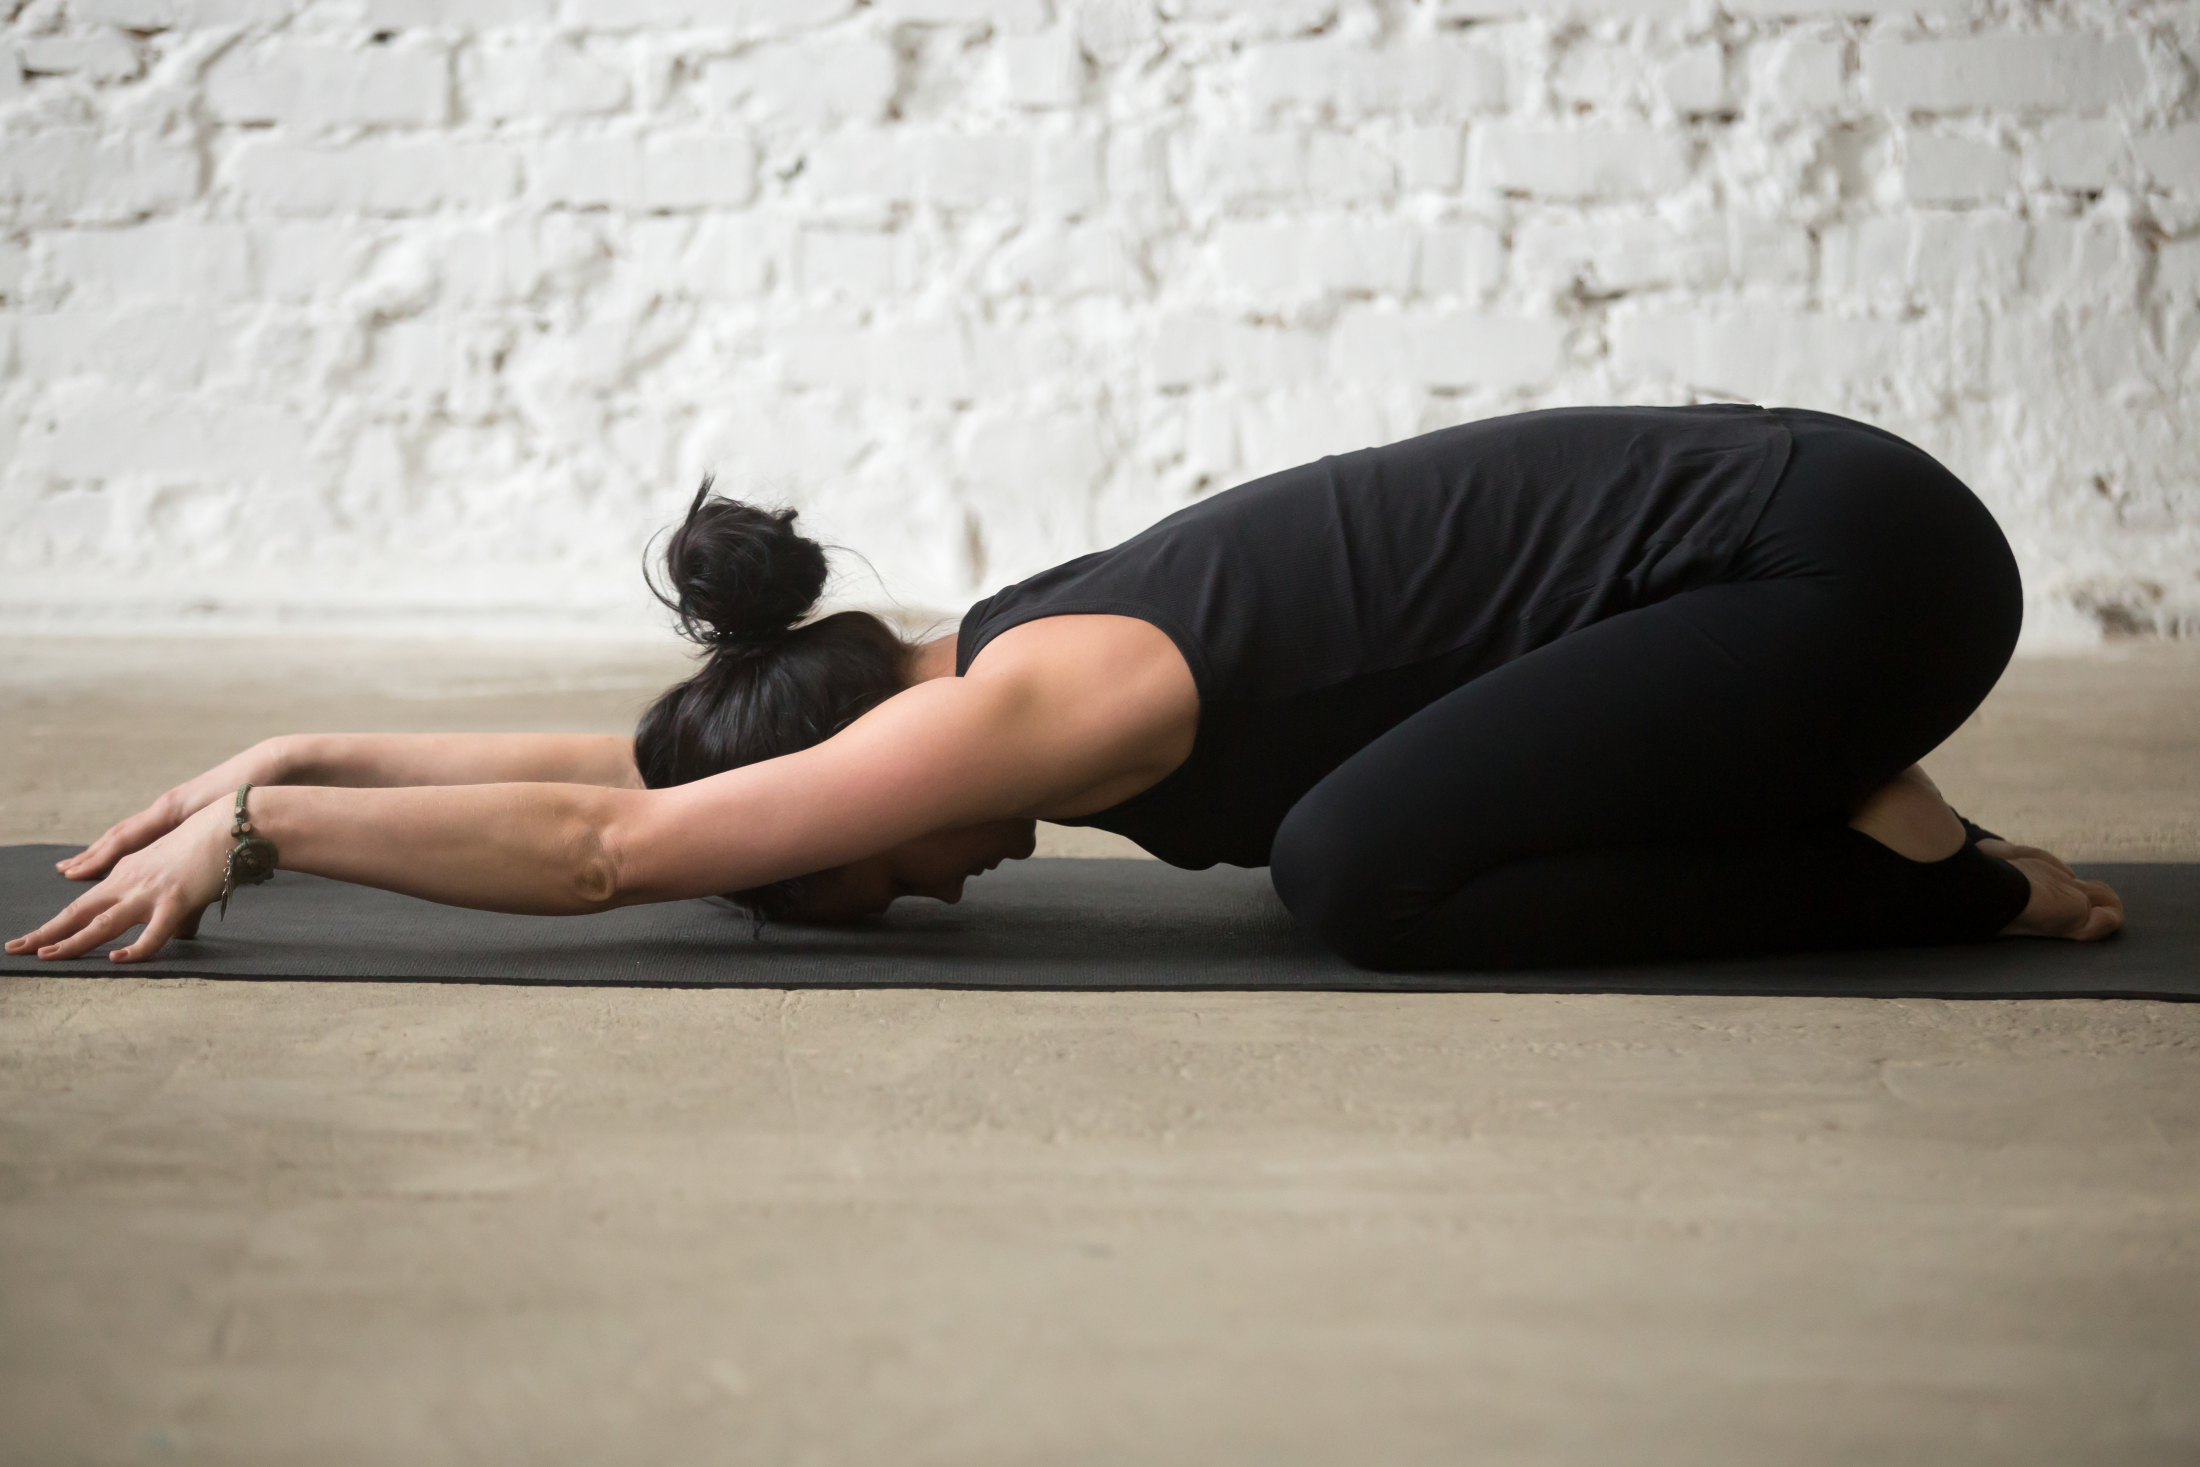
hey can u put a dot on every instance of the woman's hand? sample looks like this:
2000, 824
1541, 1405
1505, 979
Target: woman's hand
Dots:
260, 764
166, 886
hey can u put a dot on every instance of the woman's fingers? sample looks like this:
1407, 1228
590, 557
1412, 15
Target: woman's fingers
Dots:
165, 886
64, 922
105, 927
93, 856
123, 837
170, 919
95, 918
100, 852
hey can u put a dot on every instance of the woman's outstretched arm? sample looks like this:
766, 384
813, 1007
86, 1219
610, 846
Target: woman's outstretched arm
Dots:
1027, 737
367, 761
385, 759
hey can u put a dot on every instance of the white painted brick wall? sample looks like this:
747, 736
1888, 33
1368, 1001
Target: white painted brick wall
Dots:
380, 309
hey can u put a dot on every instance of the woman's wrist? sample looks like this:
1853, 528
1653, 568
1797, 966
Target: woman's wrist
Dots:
277, 814
252, 860
276, 760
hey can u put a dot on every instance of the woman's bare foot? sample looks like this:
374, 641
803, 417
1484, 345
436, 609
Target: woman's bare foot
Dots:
2063, 903
1909, 817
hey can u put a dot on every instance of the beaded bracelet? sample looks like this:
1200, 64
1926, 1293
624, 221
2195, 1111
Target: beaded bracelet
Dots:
251, 860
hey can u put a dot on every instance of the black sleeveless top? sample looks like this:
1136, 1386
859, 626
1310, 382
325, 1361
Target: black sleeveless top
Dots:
1320, 606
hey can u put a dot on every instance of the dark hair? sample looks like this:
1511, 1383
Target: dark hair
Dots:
739, 580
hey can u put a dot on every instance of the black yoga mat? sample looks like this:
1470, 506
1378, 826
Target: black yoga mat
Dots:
1047, 924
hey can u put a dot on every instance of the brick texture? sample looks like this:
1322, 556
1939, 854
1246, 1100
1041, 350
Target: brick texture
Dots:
406, 307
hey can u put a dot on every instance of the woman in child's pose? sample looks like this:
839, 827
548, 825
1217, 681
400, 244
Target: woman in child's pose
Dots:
1580, 686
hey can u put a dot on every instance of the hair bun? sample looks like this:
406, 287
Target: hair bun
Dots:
739, 577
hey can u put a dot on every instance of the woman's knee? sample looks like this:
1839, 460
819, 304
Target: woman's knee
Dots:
1332, 884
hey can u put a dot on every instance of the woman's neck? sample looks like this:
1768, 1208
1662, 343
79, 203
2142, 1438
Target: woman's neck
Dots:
932, 659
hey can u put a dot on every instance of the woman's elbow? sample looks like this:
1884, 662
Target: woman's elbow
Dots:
620, 858
595, 878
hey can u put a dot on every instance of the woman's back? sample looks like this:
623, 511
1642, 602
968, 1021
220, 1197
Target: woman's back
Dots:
1319, 606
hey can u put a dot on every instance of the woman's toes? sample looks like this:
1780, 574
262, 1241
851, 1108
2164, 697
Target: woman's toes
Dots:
2063, 905
2107, 915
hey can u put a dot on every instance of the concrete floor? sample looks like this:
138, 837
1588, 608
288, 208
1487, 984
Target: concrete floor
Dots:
275, 1223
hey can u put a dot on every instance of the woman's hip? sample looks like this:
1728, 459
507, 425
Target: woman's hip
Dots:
1857, 504
1916, 592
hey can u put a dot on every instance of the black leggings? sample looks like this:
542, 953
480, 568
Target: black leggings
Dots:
1676, 781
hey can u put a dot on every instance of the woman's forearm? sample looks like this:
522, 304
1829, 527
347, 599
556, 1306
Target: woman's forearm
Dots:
366, 761
534, 848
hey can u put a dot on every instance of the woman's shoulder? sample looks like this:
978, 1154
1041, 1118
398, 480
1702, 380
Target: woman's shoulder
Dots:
1115, 685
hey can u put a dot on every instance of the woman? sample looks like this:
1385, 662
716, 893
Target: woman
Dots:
1585, 685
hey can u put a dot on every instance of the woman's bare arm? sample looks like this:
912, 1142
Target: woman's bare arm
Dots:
546, 849
369, 760
1026, 734
937, 756
948, 753
372, 760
